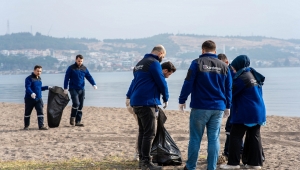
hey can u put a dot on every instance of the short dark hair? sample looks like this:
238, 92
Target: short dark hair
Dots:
209, 45
79, 56
169, 66
37, 66
222, 57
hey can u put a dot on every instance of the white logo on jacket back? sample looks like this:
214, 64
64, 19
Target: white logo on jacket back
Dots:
139, 67
208, 68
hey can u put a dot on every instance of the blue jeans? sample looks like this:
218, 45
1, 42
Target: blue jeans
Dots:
199, 119
77, 97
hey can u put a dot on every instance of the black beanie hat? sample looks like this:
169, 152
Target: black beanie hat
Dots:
240, 62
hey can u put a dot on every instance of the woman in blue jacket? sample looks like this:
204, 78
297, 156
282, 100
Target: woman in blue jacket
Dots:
248, 115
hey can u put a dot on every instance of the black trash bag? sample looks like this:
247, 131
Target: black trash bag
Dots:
57, 101
164, 151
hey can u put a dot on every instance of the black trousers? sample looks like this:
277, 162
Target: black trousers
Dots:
252, 154
227, 131
146, 122
38, 105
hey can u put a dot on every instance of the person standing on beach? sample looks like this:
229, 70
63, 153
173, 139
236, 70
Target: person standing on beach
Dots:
33, 97
209, 82
144, 96
168, 69
224, 58
248, 115
74, 77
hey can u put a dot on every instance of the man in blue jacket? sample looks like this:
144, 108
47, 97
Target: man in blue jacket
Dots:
144, 94
74, 77
209, 81
33, 98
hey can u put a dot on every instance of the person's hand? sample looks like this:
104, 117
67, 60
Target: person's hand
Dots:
156, 114
127, 102
49, 87
66, 91
182, 106
95, 87
226, 113
165, 105
33, 95
129, 108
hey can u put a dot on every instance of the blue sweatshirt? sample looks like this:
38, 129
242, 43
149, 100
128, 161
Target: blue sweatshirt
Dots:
148, 83
209, 82
33, 84
247, 102
75, 77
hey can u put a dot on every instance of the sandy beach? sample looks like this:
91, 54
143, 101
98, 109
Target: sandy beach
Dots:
111, 132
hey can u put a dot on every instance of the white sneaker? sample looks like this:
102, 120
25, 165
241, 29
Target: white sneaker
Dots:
136, 157
252, 167
225, 166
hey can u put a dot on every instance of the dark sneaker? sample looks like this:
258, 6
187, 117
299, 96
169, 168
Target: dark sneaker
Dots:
72, 121
43, 128
148, 165
79, 124
26, 128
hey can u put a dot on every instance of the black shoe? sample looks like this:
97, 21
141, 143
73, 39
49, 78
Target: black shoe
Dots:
26, 128
185, 168
72, 121
79, 124
140, 163
148, 165
43, 128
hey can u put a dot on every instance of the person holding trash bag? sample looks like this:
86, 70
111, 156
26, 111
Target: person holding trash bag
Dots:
74, 77
209, 82
168, 69
33, 97
144, 96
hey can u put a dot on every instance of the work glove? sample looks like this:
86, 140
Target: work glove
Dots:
95, 87
66, 91
33, 95
182, 106
49, 87
226, 113
129, 108
165, 105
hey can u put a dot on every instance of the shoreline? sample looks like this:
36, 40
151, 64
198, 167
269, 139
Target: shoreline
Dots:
111, 132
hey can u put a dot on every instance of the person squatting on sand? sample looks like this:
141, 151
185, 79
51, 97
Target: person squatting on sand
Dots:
168, 69
209, 82
248, 115
144, 94
33, 97
224, 58
74, 77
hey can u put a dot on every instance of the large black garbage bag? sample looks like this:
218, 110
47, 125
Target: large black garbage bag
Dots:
57, 101
164, 151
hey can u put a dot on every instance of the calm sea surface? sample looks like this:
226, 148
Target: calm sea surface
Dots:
281, 90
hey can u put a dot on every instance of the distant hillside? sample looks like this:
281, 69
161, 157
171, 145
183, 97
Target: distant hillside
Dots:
38, 41
177, 45
189, 45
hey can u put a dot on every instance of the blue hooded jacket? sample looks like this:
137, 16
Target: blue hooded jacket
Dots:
209, 82
75, 77
33, 84
148, 83
247, 101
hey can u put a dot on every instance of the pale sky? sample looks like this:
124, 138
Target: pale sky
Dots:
143, 18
